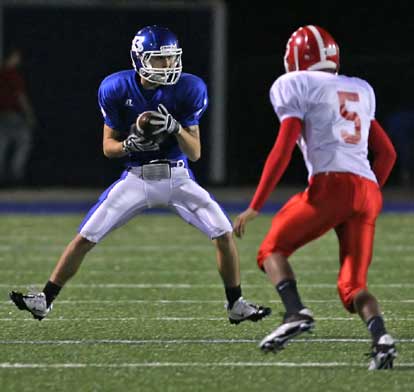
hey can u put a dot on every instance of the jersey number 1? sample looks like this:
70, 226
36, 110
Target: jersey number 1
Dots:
350, 116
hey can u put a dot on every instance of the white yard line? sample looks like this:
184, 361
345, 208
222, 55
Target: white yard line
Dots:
112, 270
191, 285
192, 301
178, 341
183, 247
94, 319
8, 365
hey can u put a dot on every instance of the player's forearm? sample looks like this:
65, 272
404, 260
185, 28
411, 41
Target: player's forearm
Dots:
275, 166
189, 144
113, 149
112, 146
277, 161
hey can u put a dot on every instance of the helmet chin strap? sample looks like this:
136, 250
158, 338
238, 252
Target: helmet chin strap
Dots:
152, 78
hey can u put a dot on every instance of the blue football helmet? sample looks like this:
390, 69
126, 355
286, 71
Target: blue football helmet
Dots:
156, 41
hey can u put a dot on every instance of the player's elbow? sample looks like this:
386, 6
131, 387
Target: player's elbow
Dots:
388, 156
108, 152
392, 155
193, 153
194, 156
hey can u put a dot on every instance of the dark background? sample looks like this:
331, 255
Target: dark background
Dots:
375, 44
68, 51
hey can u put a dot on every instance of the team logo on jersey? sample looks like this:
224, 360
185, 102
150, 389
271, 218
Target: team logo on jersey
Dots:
128, 102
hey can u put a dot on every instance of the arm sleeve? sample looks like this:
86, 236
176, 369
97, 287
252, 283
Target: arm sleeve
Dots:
194, 105
277, 160
106, 101
383, 150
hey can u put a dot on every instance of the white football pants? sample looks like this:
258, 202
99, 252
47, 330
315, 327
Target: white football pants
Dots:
131, 195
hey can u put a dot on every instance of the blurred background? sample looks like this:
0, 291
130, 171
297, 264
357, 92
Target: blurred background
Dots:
237, 47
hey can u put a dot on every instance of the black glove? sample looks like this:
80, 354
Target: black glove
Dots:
164, 121
134, 143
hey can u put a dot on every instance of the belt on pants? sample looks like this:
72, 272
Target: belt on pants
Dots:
157, 170
179, 163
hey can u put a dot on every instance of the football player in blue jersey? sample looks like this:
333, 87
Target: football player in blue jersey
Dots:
157, 171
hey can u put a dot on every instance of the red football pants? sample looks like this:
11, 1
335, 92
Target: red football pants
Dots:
346, 202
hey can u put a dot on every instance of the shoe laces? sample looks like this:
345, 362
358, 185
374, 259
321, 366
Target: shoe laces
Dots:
250, 304
36, 295
242, 301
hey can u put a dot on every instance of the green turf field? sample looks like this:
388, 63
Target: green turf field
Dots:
146, 313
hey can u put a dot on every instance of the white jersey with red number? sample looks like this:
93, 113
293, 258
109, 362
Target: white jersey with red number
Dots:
336, 111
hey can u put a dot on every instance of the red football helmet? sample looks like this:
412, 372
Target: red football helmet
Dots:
311, 48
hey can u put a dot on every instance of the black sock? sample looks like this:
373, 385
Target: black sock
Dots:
51, 291
376, 327
233, 294
289, 295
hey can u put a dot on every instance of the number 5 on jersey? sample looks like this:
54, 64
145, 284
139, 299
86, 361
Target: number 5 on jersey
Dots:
350, 116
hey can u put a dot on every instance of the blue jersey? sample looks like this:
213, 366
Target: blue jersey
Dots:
122, 98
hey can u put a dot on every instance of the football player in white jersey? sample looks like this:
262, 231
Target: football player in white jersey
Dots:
332, 119
157, 172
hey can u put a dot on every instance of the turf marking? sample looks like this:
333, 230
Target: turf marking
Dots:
192, 301
191, 286
8, 365
193, 271
178, 341
93, 319
177, 246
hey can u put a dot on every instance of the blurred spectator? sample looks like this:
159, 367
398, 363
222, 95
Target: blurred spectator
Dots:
400, 126
17, 121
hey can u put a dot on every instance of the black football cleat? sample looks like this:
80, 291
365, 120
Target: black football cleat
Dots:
383, 353
35, 303
293, 325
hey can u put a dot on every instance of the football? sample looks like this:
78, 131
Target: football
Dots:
143, 124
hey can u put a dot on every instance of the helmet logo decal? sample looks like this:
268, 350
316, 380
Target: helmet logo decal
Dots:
331, 50
137, 44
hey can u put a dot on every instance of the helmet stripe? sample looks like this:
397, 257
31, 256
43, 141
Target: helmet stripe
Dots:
319, 40
296, 57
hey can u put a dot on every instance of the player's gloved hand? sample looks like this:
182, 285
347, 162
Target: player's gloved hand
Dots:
134, 130
135, 143
164, 121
